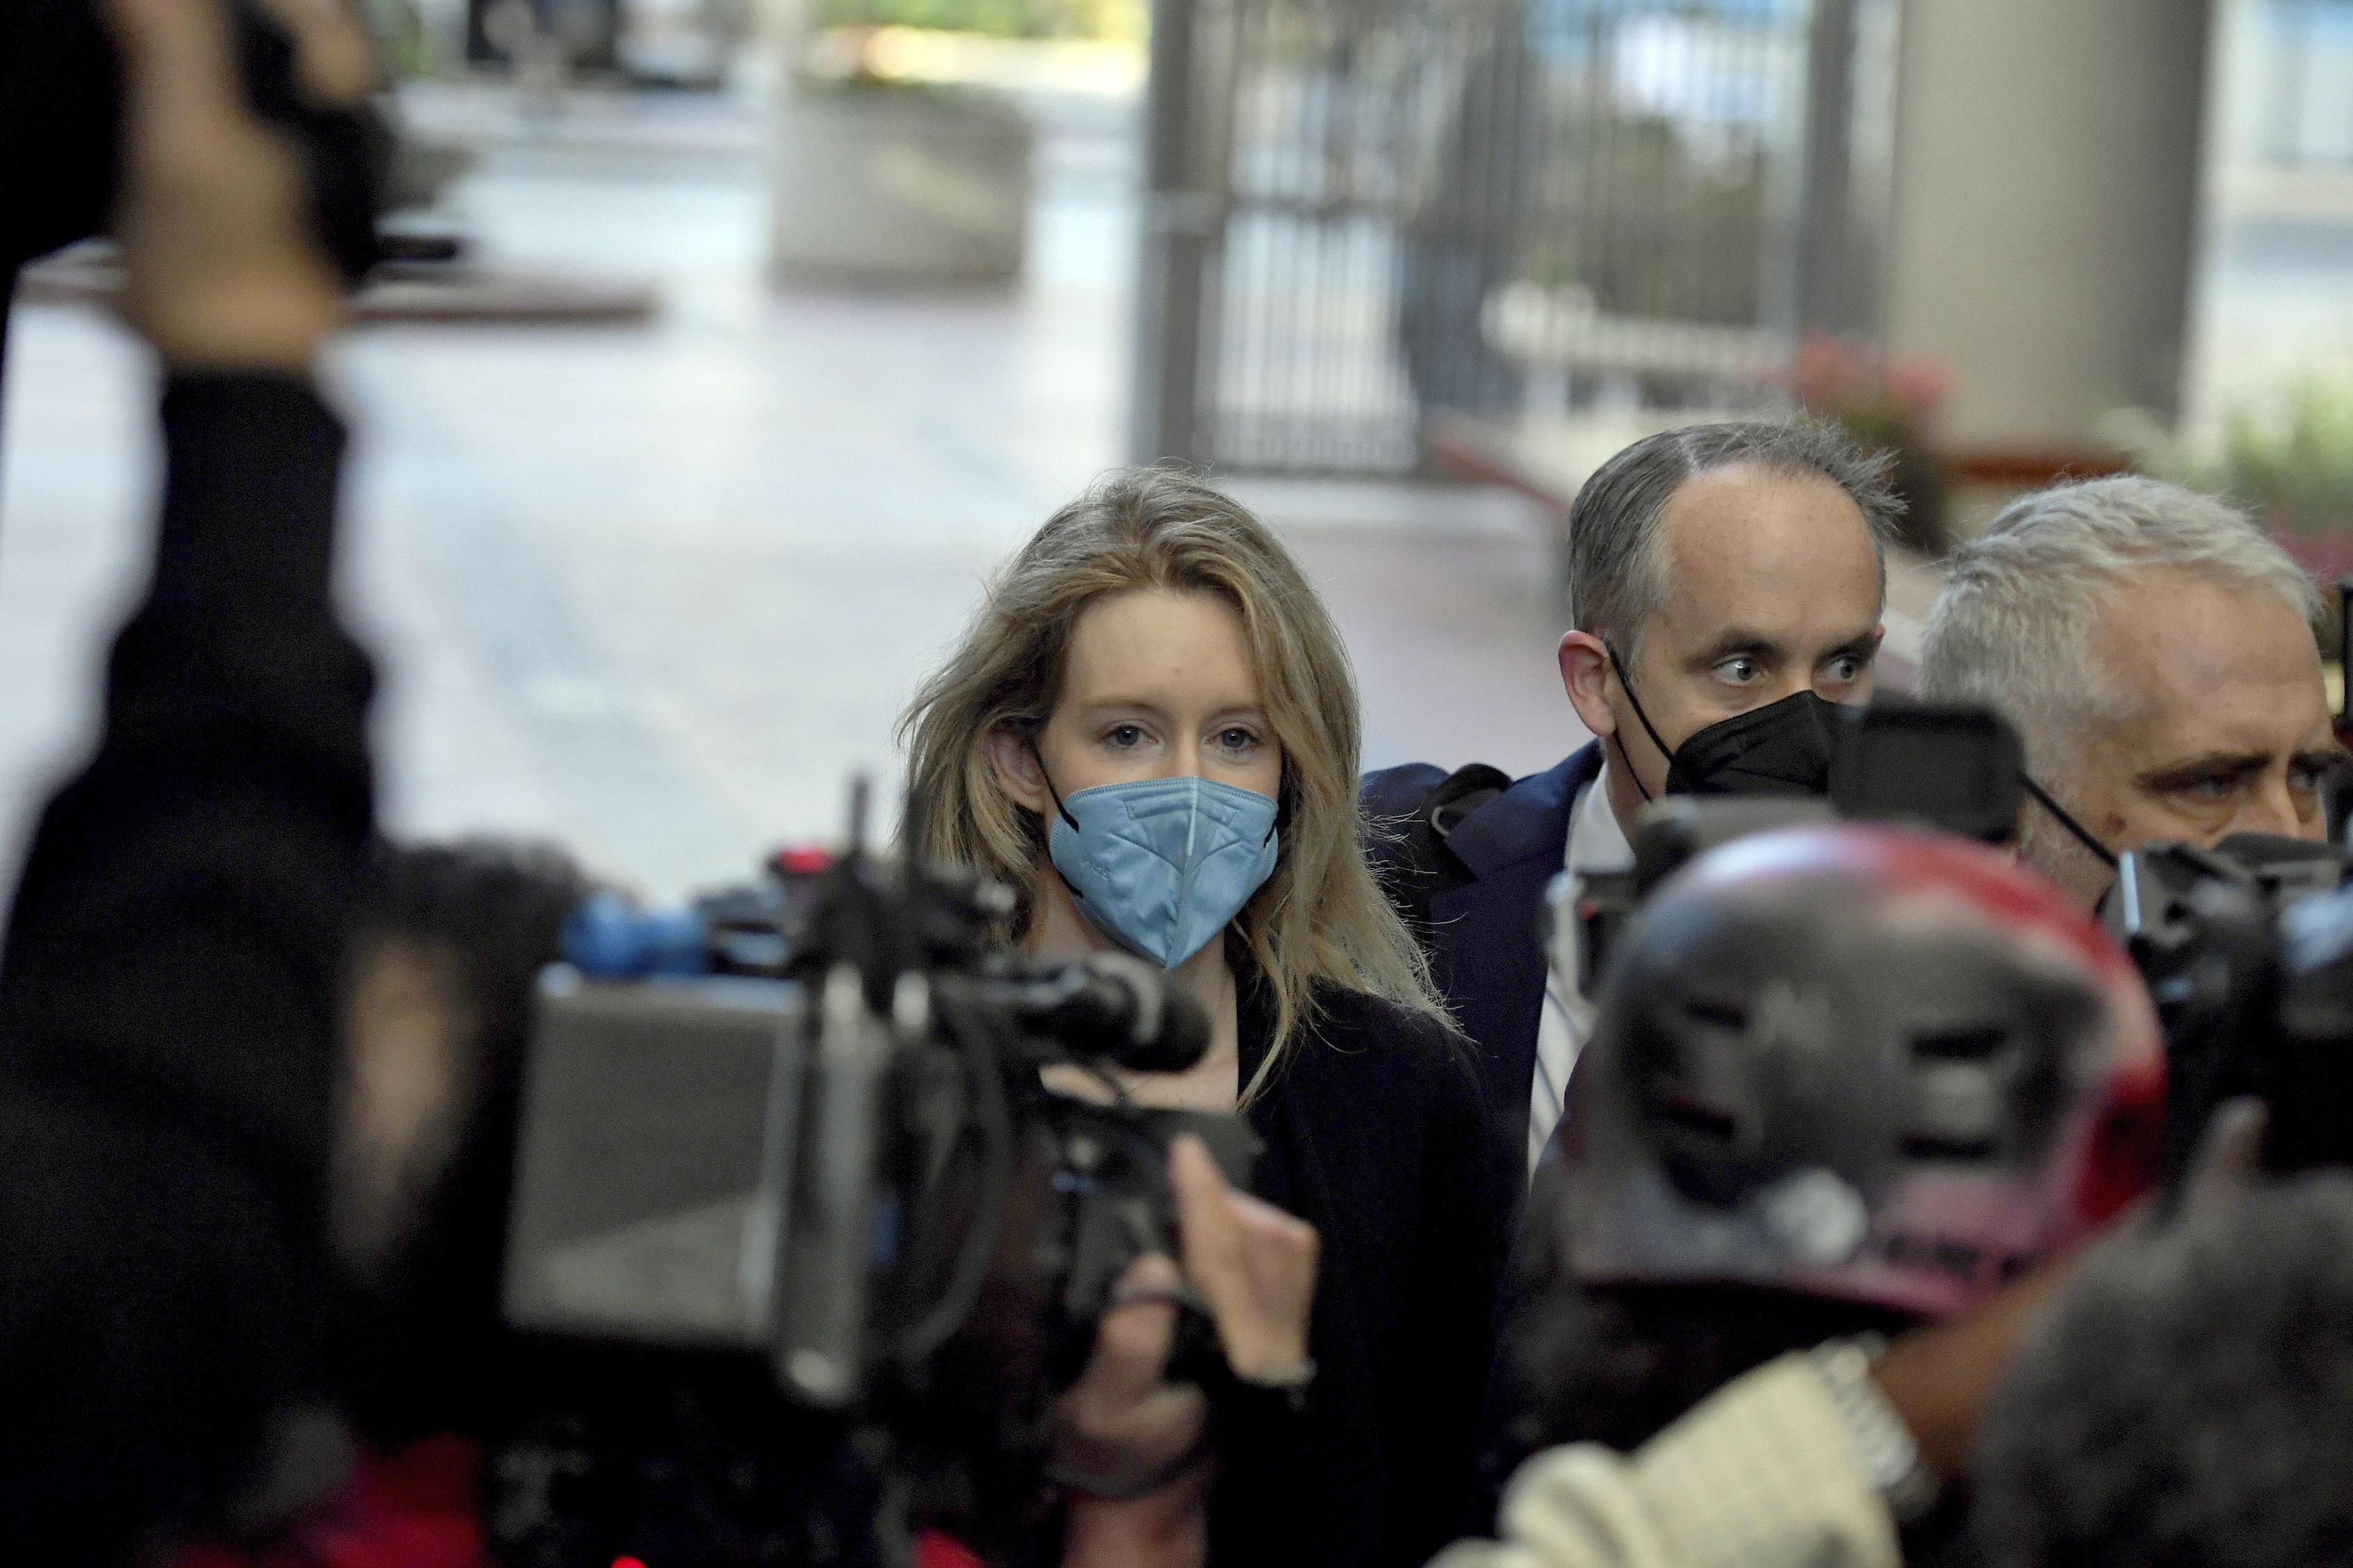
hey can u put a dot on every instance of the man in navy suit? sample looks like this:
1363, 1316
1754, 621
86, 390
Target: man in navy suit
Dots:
1720, 568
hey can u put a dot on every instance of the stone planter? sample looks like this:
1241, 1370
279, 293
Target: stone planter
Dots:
898, 187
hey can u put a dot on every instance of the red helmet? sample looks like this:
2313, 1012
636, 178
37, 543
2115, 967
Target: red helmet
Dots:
1858, 1062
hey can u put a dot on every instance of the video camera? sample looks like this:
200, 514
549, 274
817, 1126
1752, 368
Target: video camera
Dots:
831, 1149
2247, 949
1956, 768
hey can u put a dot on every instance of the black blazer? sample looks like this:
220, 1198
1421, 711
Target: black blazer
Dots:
1374, 1135
1487, 935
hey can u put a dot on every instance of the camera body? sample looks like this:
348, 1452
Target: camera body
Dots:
1955, 768
2247, 949
714, 1163
832, 1152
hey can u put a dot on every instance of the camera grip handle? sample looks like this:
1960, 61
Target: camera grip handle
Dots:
821, 1332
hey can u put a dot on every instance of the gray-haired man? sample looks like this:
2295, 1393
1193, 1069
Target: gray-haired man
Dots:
2155, 650
1721, 577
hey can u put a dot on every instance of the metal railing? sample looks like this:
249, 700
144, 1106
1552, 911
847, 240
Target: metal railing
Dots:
1353, 203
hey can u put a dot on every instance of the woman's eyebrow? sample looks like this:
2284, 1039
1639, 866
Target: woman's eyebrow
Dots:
1121, 704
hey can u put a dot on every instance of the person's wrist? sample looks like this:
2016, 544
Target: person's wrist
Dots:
1890, 1454
256, 324
1274, 1360
1939, 1379
1284, 1374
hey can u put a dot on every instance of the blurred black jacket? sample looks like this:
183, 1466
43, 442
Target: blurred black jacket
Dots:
168, 1012
1375, 1135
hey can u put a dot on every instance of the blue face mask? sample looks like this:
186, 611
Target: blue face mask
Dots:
1163, 866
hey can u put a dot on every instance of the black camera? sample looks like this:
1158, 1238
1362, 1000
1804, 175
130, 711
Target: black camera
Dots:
2247, 949
833, 1153
1956, 768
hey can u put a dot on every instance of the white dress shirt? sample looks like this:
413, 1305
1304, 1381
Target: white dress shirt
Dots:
1596, 843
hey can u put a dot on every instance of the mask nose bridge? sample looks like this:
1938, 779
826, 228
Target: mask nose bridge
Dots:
1192, 821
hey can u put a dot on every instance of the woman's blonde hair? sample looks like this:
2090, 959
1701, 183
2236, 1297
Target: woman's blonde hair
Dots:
1321, 917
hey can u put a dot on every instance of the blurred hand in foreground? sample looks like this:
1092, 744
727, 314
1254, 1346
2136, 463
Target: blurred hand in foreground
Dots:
222, 268
1254, 1267
1942, 1379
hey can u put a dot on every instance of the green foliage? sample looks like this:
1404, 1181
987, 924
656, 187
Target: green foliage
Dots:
1625, 209
408, 47
997, 18
2294, 461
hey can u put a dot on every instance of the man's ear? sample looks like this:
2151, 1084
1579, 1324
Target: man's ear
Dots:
1014, 759
1585, 675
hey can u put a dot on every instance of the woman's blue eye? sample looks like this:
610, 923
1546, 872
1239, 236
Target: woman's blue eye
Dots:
1235, 740
1125, 735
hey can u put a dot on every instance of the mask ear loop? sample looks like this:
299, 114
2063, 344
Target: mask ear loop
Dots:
1064, 813
1119, 1097
1093, 1070
1047, 779
2060, 815
1665, 751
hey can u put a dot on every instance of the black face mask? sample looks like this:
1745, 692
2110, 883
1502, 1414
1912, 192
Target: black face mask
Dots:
1782, 748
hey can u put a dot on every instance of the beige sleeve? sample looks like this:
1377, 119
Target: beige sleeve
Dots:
1762, 1475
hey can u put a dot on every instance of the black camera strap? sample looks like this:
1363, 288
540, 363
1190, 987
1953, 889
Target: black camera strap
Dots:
2060, 813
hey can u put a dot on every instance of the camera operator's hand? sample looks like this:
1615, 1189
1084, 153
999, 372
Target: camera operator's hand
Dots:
2229, 1159
1254, 1267
1253, 1263
1124, 1423
1942, 1379
222, 271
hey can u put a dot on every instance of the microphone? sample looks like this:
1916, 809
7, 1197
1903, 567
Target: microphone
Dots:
1112, 1006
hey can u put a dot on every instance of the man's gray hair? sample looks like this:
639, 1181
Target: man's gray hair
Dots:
1617, 538
2013, 626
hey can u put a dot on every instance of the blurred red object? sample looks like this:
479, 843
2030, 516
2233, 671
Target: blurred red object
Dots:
417, 1507
933, 1550
1888, 403
801, 860
1842, 379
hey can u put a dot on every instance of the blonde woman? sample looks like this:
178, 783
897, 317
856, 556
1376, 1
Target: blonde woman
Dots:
1150, 732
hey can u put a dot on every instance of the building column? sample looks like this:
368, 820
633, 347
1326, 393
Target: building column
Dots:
2043, 209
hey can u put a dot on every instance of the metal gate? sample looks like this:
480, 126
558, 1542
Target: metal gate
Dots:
1361, 211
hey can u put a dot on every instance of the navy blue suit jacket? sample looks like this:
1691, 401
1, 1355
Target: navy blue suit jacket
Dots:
1487, 935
